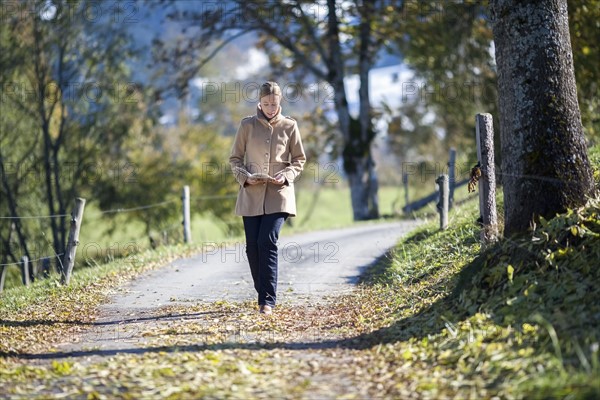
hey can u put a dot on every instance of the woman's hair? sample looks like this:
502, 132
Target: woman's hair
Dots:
269, 88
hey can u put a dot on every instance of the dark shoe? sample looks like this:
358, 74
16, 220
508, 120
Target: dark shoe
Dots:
265, 309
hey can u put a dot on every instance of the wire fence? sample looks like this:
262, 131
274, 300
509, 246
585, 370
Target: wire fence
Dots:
37, 259
146, 207
164, 231
37, 216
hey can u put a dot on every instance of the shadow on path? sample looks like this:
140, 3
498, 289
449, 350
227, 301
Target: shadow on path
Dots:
49, 322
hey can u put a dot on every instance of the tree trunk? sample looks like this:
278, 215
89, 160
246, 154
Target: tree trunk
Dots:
358, 163
363, 187
367, 133
62, 210
336, 70
40, 82
50, 150
545, 166
12, 206
48, 171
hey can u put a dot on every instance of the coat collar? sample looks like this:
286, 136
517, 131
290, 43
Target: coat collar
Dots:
261, 116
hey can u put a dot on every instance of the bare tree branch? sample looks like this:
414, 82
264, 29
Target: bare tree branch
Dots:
311, 31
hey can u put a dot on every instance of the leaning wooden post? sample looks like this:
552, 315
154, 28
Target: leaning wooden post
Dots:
187, 230
25, 270
69, 259
484, 129
452, 175
442, 205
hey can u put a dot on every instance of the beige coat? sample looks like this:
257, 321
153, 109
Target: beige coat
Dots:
275, 147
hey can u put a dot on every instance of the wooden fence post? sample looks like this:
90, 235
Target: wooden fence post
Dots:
484, 130
69, 260
187, 230
452, 175
25, 270
442, 206
2, 277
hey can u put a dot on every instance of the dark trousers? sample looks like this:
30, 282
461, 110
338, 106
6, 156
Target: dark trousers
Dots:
262, 234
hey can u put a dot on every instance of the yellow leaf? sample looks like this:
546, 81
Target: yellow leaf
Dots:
510, 270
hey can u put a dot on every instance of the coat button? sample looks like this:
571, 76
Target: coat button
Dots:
268, 140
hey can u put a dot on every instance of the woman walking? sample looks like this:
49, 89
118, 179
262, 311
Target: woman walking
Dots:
266, 157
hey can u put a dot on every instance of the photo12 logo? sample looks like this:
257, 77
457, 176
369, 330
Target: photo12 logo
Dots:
32, 168
292, 92
291, 252
72, 92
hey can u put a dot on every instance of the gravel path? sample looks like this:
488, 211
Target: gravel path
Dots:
312, 266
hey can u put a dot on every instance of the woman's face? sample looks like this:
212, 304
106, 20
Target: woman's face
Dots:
270, 105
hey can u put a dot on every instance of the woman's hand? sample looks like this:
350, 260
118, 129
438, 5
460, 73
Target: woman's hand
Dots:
278, 180
252, 181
